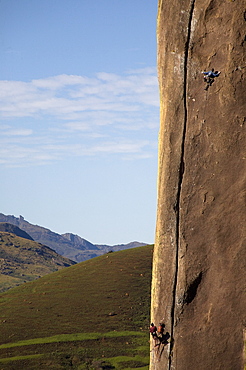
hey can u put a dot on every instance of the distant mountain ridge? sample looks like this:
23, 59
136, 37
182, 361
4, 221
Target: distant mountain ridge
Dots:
79, 242
10, 228
68, 245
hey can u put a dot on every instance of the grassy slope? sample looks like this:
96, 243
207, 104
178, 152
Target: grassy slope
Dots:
108, 296
24, 260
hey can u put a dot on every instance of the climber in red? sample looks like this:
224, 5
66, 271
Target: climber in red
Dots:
153, 330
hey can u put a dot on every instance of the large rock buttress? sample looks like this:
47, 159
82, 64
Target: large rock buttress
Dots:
198, 287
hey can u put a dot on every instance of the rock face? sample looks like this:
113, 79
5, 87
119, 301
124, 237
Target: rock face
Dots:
198, 287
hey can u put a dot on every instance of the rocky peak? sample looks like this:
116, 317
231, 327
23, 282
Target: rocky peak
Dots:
79, 242
7, 227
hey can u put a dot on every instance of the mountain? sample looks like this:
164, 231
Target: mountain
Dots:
59, 243
6, 227
199, 263
119, 247
79, 242
22, 259
93, 315
68, 245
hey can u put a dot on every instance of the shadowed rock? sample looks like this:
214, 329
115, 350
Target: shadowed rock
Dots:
6, 227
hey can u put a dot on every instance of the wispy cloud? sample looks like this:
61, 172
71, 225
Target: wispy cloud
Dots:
46, 119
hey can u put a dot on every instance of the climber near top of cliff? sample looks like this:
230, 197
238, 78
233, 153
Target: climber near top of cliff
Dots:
210, 76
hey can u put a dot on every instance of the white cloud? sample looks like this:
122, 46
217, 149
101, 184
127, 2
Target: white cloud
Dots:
58, 82
77, 115
17, 132
38, 151
70, 94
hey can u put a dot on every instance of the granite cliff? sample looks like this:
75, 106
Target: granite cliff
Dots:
198, 286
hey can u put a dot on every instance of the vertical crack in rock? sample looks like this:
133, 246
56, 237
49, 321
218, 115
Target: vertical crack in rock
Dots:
181, 173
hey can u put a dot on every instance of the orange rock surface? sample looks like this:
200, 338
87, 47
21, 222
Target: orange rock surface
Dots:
198, 287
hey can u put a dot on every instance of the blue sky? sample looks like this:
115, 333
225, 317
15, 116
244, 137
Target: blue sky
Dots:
79, 112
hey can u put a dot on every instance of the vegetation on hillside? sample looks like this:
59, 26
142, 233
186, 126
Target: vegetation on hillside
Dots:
23, 260
93, 315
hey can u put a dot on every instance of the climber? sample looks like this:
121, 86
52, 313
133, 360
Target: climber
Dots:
160, 330
153, 330
209, 77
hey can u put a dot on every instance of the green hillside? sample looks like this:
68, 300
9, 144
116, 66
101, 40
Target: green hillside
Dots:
93, 315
